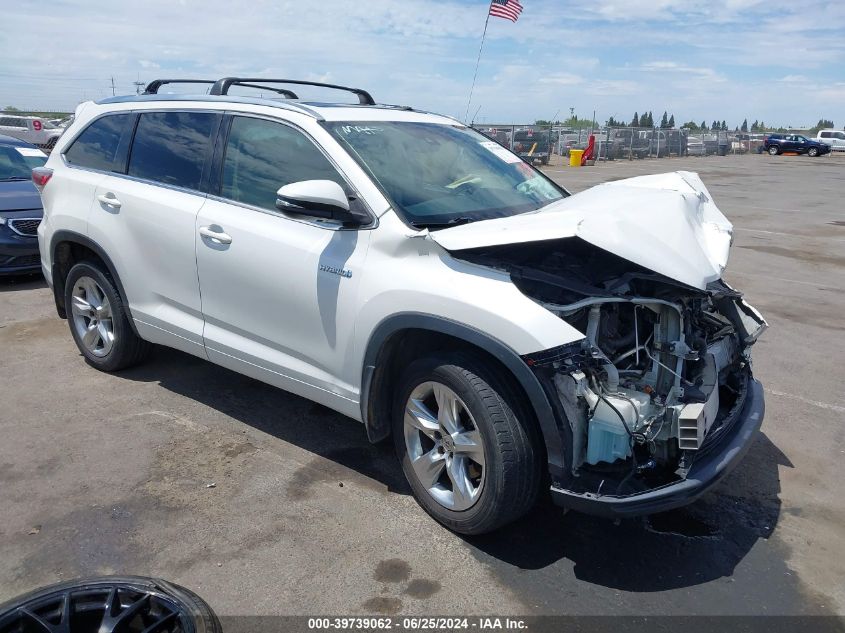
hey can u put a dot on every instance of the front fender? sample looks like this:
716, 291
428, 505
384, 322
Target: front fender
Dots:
378, 426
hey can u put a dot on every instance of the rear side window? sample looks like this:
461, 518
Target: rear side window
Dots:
12, 122
262, 156
825, 135
172, 147
96, 147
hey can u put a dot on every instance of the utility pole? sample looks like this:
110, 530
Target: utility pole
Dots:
112, 86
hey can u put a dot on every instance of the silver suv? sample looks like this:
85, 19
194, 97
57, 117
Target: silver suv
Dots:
408, 272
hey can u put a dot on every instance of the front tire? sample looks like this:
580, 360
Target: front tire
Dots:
467, 443
774, 150
813, 152
98, 321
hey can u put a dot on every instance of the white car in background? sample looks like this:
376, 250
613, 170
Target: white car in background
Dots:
31, 129
834, 138
695, 146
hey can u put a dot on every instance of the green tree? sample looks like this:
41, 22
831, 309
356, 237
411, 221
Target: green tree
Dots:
672, 122
744, 127
714, 126
755, 127
703, 126
692, 126
635, 122
664, 122
822, 124
724, 126
644, 120
650, 119
10, 109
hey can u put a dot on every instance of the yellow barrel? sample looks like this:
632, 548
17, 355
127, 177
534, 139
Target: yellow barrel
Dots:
575, 157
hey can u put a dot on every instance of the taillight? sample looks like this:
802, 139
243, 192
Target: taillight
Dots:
41, 176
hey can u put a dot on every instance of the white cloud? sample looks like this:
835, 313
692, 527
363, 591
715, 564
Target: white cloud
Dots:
697, 58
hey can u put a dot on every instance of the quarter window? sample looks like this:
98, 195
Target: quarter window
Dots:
96, 147
262, 156
172, 147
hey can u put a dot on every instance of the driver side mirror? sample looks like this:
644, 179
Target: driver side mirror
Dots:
318, 199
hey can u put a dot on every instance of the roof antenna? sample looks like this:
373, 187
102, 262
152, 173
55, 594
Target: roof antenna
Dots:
475, 115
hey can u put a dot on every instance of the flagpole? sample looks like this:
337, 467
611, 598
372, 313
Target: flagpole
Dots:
478, 61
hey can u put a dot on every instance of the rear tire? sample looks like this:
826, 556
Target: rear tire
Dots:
774, 150
813, 152
475, 463
99, 322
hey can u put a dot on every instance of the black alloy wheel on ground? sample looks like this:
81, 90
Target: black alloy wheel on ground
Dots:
109, 604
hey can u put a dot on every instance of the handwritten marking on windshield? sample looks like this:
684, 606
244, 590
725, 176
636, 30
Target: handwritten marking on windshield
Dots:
360, 129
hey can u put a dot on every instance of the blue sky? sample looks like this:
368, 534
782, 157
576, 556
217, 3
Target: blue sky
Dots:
779, 61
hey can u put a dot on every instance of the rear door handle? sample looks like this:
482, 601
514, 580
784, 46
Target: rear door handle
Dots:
219, 237
109, 199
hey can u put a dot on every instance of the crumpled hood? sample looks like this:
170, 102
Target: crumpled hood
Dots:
667, 223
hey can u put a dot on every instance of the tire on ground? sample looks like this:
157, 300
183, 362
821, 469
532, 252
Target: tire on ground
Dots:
514, 455
128, 348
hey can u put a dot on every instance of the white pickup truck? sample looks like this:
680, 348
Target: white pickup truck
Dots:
834, 138
31, 129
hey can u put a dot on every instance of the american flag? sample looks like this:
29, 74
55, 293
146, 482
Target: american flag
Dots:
508, 9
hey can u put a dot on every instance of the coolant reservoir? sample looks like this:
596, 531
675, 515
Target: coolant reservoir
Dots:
607, 439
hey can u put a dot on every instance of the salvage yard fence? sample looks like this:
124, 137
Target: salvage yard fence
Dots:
620, 143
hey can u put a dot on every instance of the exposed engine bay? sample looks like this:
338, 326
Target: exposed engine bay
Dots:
662, 370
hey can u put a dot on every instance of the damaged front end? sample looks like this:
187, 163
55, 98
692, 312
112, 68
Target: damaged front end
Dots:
657, 401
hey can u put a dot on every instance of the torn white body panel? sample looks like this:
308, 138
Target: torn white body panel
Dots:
667, 223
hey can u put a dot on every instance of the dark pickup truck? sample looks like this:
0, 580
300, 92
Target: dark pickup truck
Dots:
532, 145
628, 143
776, 144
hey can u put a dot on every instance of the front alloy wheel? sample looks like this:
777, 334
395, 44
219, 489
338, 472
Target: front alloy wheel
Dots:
444, 446
467, 440
774, 151
813, 152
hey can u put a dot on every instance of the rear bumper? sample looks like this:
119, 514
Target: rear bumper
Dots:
704, 474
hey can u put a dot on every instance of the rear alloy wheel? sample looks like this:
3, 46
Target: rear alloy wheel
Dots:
774, 150
813, 151
98, 321
467, 442
109, 605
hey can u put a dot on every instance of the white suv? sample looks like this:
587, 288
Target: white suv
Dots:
406, 271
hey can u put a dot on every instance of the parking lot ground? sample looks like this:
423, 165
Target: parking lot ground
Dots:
265, 503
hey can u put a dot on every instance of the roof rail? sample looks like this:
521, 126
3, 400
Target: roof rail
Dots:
153, 87
222, 86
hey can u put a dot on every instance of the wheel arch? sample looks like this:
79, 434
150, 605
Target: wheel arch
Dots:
66, 249
401, 336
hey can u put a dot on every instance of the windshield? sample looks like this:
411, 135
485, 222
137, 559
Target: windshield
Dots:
16, 163
439, 175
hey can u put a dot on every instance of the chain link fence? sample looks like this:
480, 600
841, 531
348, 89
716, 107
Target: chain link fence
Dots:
541, 143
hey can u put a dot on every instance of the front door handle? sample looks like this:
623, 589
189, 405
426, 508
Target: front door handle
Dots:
109, 200
218, 237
